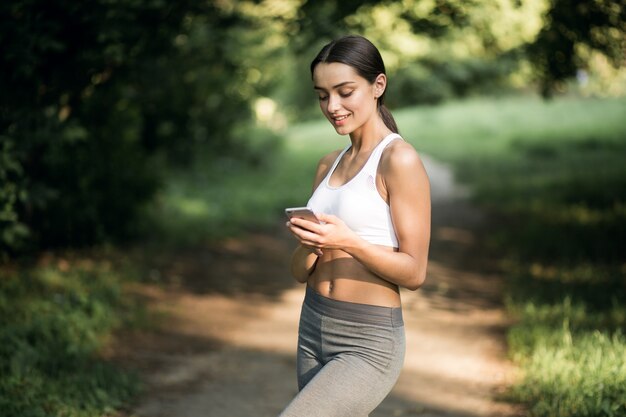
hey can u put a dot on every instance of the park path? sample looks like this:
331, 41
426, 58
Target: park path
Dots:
226, 343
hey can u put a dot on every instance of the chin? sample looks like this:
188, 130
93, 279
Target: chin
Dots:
343, 130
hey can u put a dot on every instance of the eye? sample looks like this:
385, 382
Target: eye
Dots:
322, 98
346, 93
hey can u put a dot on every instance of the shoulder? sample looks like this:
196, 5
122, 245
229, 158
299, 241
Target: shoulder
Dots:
400, 155
324, 165
401, 163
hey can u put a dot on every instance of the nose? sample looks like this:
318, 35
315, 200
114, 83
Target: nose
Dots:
333, 104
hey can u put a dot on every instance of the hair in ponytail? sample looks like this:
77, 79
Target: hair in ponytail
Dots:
361, 54
390, 122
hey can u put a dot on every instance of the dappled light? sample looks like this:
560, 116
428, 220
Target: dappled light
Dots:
148, 150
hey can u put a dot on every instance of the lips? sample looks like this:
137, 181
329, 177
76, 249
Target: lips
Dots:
339, 120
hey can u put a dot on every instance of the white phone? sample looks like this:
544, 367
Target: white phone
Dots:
301, 213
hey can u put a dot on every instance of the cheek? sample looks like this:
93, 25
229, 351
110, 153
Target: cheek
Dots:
324, 108
361, 102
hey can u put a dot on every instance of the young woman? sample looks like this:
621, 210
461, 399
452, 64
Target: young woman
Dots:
373, 202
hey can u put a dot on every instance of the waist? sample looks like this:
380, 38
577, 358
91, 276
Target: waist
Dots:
354, 312
339, 276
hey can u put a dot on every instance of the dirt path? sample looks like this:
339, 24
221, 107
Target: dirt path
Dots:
227, 346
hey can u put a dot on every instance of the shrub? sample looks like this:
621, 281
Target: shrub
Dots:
52, 324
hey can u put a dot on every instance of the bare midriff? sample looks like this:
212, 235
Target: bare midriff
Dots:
339, 276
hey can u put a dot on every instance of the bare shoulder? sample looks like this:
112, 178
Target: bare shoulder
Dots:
323, 166
400, 157
404, 175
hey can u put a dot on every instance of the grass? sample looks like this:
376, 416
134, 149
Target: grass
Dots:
54, 321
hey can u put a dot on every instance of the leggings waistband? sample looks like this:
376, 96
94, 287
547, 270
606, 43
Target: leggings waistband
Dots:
355, 312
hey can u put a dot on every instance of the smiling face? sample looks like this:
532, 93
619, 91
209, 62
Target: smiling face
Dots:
347, 100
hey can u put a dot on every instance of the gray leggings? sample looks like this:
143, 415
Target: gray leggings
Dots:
349, 357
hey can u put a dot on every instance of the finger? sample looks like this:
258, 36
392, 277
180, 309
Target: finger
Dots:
295, 228
304, 236
296, 231
305, 224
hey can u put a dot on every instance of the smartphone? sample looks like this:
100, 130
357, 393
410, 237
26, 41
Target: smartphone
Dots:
302, 213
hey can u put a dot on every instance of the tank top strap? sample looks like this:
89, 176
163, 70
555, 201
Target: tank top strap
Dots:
374, 160
334, 165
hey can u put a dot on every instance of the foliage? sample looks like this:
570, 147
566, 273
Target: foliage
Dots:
96, 97
433, 81
100, 99
13, 231
53, 321
67, 116
559, 50
436, 50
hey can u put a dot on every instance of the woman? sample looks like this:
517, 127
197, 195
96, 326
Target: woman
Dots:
373, 202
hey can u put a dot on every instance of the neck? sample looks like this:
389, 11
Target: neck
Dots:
367, 137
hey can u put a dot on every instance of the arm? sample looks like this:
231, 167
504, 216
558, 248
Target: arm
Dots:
408, 193
303, 262
304, 258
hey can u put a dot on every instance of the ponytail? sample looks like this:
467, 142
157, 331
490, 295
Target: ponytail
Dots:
385, 114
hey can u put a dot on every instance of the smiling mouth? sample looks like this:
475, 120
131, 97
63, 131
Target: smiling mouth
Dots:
340, 118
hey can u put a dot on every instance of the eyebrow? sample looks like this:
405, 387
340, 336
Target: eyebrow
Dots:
335, 86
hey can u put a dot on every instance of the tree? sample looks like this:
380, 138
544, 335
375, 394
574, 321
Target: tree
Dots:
570, 26
72, 126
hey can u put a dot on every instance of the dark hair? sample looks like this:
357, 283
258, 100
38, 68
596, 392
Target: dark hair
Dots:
361, 54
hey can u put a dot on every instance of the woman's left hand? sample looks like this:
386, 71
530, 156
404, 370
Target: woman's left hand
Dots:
331, 233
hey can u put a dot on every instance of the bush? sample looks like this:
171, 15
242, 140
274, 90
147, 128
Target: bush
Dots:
13, 232
93, 95
52, 323
432, 81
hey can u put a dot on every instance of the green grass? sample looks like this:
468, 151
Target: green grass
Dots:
53, 322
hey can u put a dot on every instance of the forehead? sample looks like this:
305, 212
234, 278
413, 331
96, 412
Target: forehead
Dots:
329, 75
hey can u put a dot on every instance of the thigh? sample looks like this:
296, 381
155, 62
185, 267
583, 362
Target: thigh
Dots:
309, 356
347, 386
308, 364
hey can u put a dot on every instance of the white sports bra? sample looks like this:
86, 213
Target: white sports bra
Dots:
358, 202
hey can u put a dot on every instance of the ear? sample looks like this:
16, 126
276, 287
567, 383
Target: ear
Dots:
380, 84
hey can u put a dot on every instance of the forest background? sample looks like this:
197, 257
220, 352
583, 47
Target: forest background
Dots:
116, 115
99, 100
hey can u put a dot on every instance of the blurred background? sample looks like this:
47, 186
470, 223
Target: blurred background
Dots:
146, 126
